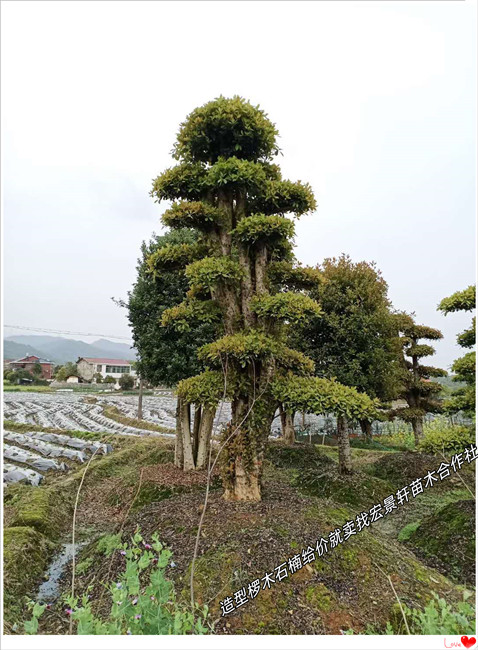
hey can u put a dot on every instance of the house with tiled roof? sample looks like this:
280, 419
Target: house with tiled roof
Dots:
32, 361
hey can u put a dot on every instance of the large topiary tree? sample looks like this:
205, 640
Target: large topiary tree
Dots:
463, 399
418, 390
241, 277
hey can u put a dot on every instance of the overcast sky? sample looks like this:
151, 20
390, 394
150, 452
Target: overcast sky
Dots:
375, 104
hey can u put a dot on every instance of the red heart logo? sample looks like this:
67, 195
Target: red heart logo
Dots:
468, 641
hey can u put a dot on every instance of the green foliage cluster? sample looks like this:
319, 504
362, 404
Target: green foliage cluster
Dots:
459, 301
206, 389
192, 214
245, 348
210, 271
185, 181
225, 128
441, 436
321, 396
135, 609
464, 399
269, 229
283, 196
293, 276
440, 617
175, 256
187, 313
287, 306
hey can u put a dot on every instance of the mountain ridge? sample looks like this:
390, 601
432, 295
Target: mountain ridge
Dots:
60, 350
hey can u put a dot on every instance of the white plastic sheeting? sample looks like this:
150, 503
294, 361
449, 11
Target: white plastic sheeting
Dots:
14, 474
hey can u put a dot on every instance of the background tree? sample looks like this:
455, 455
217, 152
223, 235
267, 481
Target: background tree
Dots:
165, 354
66, 370
226, 188
463, 399
126, 382
37, 370
98, 378
417, 388
355, 338
109, 380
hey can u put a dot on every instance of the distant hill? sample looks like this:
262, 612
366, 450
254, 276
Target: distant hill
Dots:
61, 350
13, 350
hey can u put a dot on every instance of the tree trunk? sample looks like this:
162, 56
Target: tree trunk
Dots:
345, 457
196, 426
186, 431
288, 430
247, 480
178, 448
244, 452
366, 427
204, 441
417, 426
261, 269
140, 400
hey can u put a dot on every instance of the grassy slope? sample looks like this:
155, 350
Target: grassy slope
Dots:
303, 498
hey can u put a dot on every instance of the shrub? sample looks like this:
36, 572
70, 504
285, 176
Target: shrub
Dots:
402, 440
152, 609
438, 617
440, 436
126, 382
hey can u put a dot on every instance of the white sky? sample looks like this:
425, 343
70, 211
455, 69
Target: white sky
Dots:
375, 103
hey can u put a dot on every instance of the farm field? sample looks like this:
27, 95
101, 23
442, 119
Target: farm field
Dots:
77, 412
132, 484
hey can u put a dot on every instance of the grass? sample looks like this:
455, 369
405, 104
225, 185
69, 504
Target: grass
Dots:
346, 589
9, 388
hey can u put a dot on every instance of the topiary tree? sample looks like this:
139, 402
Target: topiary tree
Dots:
417, 388
126, 382
355, 338
241, 278
464, 399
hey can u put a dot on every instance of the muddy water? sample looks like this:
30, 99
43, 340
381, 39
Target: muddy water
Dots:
50, 589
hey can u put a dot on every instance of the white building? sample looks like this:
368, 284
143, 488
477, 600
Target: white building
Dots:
88, 367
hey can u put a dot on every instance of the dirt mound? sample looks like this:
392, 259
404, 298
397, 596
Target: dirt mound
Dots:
402, 468
446, 540
298, 457
356, 490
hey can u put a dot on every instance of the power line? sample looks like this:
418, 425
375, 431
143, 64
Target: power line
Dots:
39, 329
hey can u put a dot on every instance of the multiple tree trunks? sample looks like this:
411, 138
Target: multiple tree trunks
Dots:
287, 425
193, 442
345, 456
